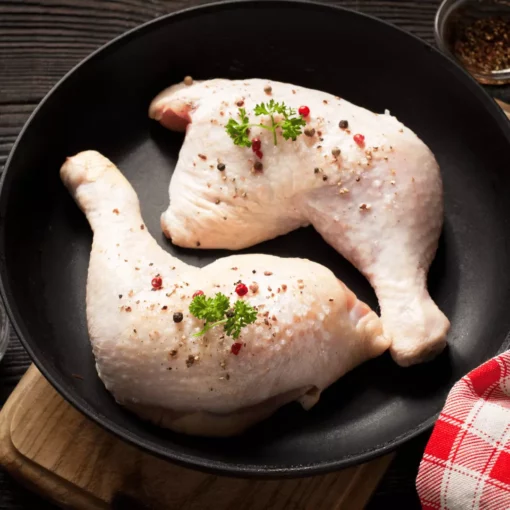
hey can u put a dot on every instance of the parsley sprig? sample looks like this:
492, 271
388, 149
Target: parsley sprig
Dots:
238, 130
216, 311
290, 124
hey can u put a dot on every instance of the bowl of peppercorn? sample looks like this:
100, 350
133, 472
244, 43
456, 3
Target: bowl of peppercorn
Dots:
476, 33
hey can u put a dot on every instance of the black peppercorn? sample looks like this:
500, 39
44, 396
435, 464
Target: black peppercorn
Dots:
230, 313
221, 167
343, 124
178, 317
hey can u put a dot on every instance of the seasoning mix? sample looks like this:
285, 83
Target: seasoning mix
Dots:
483, 45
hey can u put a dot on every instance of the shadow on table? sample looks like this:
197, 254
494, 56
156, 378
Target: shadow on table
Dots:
397, 488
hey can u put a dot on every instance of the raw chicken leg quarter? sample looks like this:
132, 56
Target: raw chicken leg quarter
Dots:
310, 329
367, 183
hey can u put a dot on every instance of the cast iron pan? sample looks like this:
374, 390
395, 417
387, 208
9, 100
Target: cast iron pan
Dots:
102, 104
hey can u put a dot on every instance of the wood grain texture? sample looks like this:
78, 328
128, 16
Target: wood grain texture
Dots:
61, 454
40, 41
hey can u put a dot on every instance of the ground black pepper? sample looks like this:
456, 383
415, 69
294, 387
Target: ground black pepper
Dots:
484, 45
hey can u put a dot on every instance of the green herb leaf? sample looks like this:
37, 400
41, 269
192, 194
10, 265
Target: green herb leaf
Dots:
210, 309
291, 125
213, 311
261, 109
244, 314
238, 130
273, 107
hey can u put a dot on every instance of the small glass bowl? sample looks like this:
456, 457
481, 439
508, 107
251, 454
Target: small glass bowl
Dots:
453, 15
4, 330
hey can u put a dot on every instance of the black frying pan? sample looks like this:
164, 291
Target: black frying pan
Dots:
102, 104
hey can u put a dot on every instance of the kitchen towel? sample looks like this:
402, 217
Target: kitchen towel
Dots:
466, 465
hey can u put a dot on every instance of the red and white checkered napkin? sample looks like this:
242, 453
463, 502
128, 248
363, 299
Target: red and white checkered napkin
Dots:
466, 464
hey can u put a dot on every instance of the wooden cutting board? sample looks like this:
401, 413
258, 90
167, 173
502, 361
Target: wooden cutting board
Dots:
56, 451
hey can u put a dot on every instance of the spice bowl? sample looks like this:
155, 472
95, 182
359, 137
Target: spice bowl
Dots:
476, 33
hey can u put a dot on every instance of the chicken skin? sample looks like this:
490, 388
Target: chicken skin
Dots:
309, 331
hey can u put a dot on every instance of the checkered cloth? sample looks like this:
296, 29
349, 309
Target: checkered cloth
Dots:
466, 465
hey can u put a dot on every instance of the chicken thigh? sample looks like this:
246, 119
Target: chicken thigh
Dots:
367, 184
310, 329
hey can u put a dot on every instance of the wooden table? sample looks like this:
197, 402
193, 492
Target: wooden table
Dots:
42, 40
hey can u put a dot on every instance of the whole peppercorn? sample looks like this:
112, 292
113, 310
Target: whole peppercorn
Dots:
241, 289
236, 348
304, 111
157, 282
256, 144
359, 140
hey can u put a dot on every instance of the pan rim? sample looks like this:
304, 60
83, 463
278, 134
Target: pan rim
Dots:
56, 379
